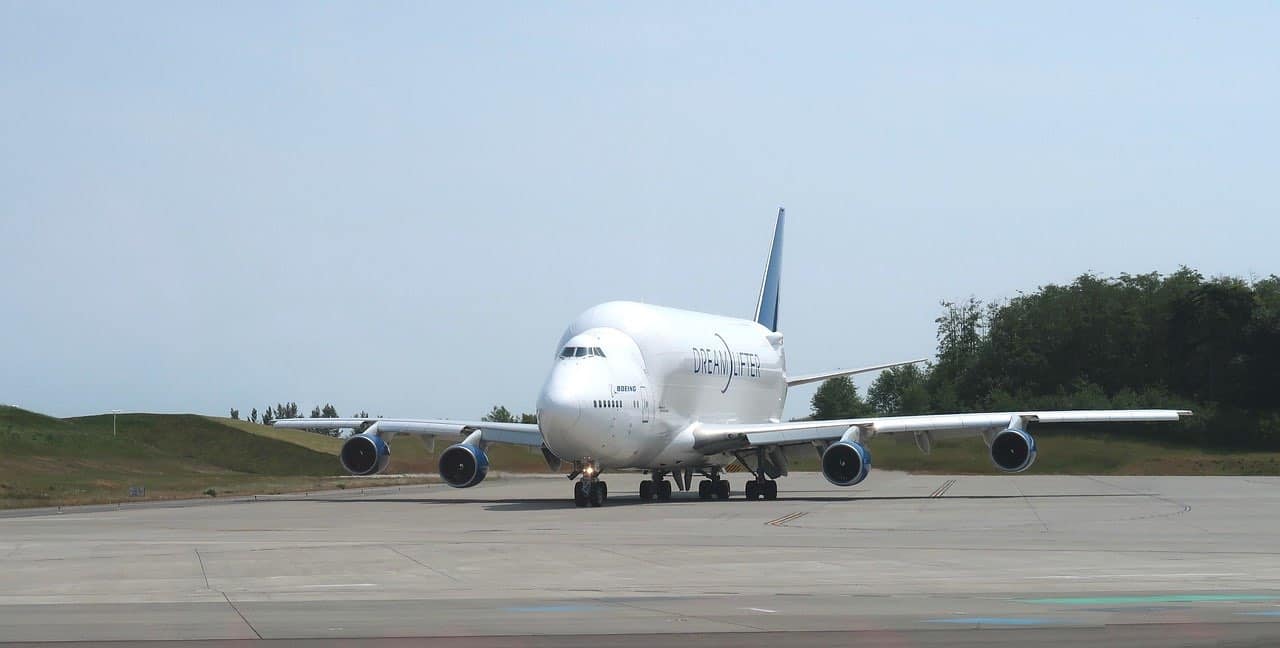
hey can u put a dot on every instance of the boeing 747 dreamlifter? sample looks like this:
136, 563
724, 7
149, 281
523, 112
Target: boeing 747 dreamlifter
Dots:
677, 393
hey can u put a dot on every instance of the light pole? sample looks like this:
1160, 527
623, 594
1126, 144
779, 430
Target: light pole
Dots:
113, 421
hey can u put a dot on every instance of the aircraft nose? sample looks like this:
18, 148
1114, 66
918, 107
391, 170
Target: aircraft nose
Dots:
560, 407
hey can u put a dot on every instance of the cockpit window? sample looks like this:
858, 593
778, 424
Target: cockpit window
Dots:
581, 352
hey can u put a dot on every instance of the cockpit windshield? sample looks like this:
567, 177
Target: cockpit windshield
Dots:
581, 352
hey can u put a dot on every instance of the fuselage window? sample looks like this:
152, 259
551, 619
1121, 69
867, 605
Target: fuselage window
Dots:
580, 352
567, 352
598, 351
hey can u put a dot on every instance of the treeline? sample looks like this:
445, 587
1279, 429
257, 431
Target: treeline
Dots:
498, 414
290, 410
1133, 341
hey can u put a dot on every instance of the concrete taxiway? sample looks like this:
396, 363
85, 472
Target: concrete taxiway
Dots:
902, 559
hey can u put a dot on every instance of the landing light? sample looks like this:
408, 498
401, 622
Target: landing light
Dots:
589, 471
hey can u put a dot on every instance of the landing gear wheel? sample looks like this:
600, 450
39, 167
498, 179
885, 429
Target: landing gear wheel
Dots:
664, 490
771, 490
646, 490
706, 489
579, 495
596, 497
721, 488
604, 491
753, 489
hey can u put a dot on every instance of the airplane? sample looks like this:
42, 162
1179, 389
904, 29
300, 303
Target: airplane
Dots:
637, 387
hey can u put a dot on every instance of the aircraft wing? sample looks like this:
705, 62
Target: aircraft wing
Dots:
730, 436
525, 434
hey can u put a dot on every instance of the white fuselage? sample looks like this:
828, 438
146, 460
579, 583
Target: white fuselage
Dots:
647, 374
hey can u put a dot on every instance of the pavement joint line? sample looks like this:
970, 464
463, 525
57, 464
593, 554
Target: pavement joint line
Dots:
425, 565
203, 573
241, 615
1044, 525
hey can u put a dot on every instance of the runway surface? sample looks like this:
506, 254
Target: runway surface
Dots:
903, 560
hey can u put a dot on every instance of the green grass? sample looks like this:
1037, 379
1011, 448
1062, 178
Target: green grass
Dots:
310, 440
1077, 453
46, 461
409, 453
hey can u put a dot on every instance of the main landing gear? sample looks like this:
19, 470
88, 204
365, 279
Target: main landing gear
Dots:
761, 487
590, 490
657, 487
713, 487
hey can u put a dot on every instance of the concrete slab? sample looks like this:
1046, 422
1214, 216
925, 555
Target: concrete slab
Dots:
902, 554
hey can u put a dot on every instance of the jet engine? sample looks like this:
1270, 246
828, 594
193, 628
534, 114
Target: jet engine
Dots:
1013, 451
846, 463
463, 465
365, 454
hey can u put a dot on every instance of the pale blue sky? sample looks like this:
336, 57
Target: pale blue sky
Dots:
399, 207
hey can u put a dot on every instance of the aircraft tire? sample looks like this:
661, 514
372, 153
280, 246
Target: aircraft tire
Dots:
579, 497
721, 489
596, 497
705, 489
646, 490
752, 489
664, 490
771, 490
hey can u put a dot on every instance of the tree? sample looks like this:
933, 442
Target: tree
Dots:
899, 391
838, 398
253, 415
315, 412
235, 414
286, 410
267, 419
529, 418
498, 414
329, 411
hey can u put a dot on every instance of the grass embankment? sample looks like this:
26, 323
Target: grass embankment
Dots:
46, 461
410, 453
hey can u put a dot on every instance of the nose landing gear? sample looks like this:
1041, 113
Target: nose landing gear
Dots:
590, 490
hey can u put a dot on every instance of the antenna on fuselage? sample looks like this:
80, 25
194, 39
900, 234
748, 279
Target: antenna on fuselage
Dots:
767, 303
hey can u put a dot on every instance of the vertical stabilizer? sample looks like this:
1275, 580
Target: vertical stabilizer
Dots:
767, 304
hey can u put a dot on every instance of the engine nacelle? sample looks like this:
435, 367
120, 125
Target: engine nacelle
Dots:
1013, 451
463, 466
846, 463
365, 454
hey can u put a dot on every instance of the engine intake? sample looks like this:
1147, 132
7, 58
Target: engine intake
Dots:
1013, 451
463, 466
365, 454
846, 463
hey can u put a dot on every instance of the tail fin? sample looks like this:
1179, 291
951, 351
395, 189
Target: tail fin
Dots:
767, 304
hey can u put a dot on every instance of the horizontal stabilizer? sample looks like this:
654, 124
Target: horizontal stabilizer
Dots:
809, 378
